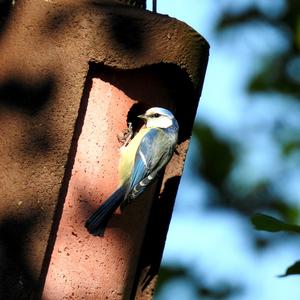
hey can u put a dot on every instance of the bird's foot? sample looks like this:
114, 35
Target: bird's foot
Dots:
126, 135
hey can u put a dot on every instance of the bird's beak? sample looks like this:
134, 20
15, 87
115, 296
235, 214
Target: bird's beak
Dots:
143, 117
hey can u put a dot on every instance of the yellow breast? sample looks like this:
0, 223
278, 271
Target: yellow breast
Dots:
128, 155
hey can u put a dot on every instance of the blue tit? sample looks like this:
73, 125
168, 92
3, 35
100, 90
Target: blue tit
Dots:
141, 161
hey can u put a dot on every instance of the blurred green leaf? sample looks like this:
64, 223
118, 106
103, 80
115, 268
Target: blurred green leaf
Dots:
167, 274
273, 70
217, 158
291, 147
273, 76
219, 292
230, 20
287, 211
292, 270
271, 224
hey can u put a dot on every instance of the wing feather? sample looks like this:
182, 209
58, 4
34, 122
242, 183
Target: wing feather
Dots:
153, 153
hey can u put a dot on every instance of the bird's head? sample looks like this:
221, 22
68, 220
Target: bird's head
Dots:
158, 117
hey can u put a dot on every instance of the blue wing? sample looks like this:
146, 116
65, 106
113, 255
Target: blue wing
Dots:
154, 152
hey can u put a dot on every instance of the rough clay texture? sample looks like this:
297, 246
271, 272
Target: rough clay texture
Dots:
48, 54
83, 266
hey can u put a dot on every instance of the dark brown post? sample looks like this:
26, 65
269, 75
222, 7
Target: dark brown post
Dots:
73, 73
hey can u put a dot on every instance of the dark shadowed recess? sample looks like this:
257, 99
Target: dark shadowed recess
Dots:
155, 236
156, 85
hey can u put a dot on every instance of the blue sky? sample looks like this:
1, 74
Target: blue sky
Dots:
214, 245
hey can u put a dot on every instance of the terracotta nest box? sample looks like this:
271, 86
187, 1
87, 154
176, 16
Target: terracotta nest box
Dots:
72, 74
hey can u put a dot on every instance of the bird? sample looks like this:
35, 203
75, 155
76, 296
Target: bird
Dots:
141, 162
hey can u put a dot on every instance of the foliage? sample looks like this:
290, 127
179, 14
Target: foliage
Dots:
292, 270
277, 72
280, 71
220, 291
268, 223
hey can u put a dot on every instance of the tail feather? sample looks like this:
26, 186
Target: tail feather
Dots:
97, 222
